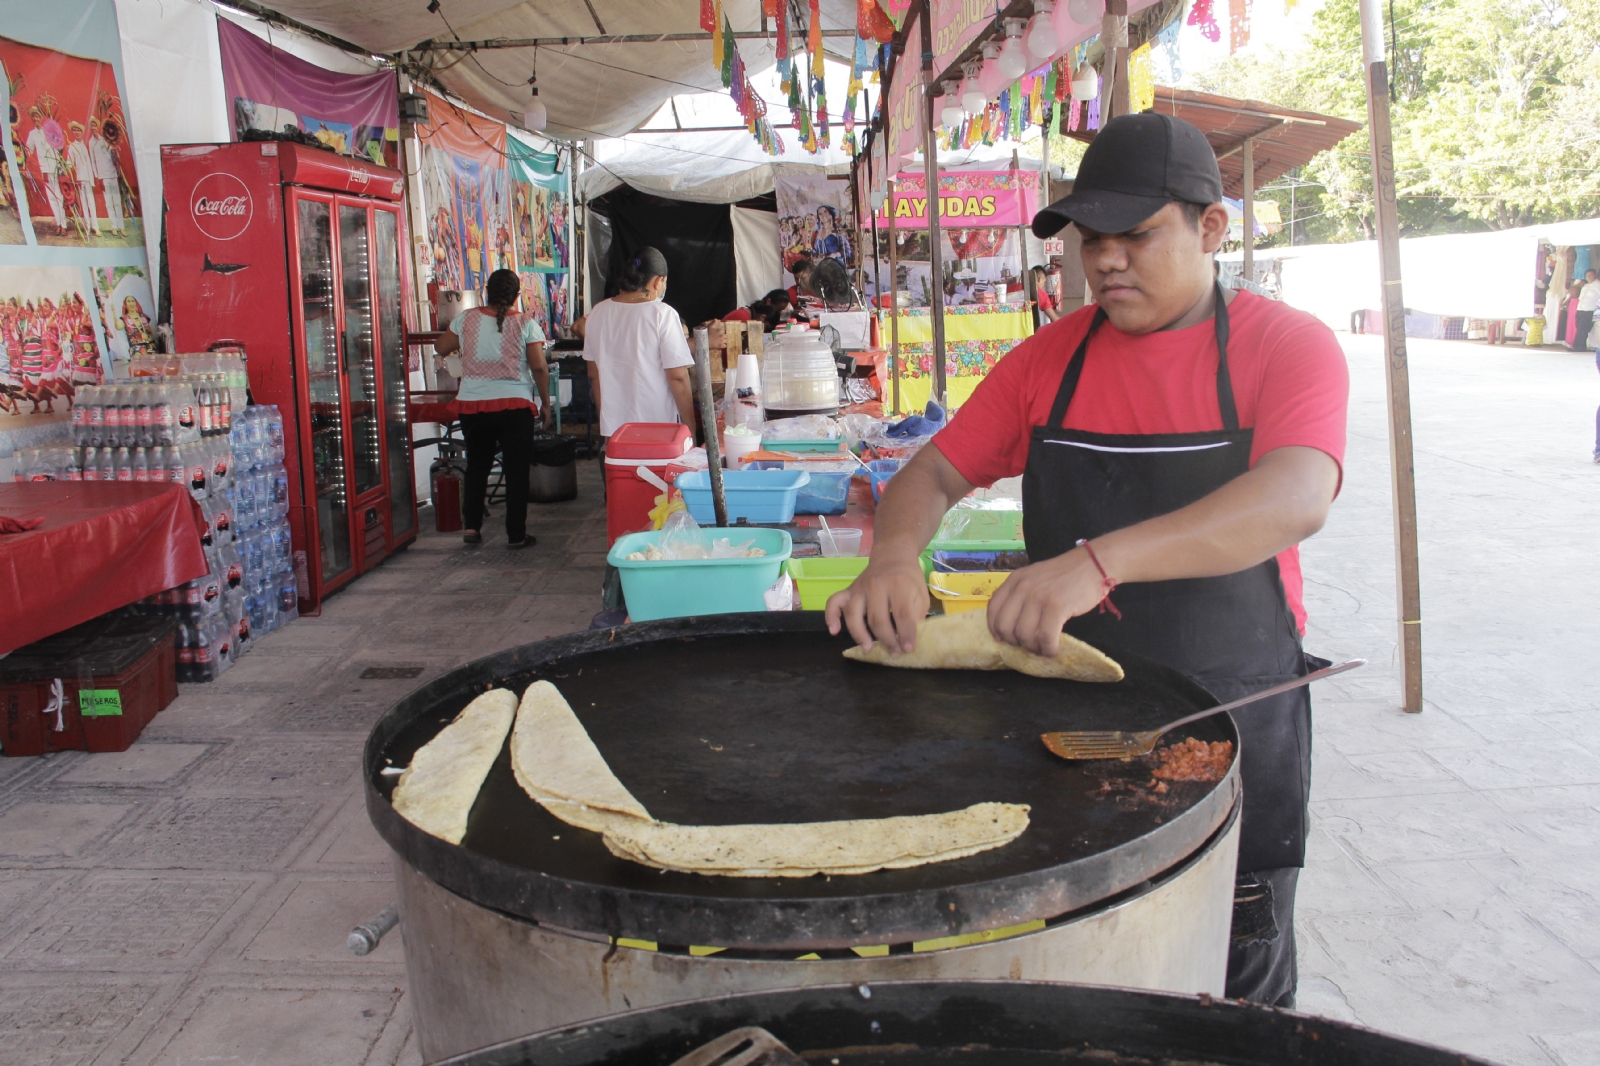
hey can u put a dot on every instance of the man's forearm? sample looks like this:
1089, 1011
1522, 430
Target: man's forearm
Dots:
1276, 505
914, 503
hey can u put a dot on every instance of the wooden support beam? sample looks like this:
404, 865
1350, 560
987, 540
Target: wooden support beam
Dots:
1394, 343
930, 153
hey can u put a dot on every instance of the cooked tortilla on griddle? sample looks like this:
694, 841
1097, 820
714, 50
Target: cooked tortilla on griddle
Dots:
557, 764
438, 789
963, 642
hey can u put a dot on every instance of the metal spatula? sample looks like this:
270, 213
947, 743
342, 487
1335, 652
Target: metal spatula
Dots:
1115, 744
753, 1046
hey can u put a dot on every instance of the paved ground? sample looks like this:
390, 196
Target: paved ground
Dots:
187, 901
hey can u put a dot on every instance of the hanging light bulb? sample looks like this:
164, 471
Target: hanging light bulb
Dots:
534, 117
1041, 36
972, 99
1013, 62
1086, 12
989, 78
950, 117
1085, 84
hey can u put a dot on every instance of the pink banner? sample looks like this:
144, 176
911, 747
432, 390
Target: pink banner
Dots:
966, 198
904, 112
956, 24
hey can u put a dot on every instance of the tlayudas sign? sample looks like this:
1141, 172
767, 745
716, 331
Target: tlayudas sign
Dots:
966, 198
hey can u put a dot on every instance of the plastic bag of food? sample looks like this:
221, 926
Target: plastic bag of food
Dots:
805, 427
682, 538
724, 548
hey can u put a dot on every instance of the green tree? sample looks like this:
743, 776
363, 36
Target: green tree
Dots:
1494, 108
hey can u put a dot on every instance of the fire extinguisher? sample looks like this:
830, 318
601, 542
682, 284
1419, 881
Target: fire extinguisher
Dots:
446, 480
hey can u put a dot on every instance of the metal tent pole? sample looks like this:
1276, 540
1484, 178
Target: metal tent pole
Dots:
894, 290
1248, 159
930, 153
1394, 343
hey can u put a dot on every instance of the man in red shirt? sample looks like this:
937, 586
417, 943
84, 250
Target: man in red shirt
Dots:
1176, 443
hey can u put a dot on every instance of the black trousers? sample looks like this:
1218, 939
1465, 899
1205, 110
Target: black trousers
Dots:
1580, 337
1261, 958
511, 434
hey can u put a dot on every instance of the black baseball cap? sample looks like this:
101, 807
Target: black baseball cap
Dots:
1135, 166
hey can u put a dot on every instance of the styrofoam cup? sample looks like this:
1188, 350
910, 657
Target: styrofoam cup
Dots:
737, 445
840, 542
748, 375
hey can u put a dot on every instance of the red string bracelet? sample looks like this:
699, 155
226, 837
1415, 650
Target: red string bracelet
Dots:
1106, 581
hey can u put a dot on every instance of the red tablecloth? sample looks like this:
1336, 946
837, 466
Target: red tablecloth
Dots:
102, 545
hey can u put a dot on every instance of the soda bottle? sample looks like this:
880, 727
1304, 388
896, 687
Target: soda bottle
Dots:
80, 415
186, 411
141, 465
122, 464
127, 418
202, 663
141, 416
224, 404
195, 461
163, 420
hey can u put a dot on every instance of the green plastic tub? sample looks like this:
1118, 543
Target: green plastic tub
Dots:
986, 531
817, 579
680, 588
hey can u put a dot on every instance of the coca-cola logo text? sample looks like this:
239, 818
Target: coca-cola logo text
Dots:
221, 206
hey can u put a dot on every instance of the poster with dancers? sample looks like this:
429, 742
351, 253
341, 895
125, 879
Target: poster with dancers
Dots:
75, 293
541, 204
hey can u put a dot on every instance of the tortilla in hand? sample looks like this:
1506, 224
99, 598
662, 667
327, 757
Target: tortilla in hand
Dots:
963, 642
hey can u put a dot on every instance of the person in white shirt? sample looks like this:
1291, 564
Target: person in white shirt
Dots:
637, 354
105, 172
1588, 301
48, 159
82, 167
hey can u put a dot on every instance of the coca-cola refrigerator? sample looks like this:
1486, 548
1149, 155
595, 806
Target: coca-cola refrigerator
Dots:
292, 255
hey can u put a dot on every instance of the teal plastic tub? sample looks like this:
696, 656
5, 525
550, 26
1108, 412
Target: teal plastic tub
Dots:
680, 588
764, 497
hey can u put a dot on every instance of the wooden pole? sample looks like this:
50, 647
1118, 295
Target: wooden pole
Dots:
1114, 72
1394, 343
930, 154
1249, 160
894, 297
1022, 235
708, 416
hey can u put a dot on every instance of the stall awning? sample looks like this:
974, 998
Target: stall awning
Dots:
589, 90
1283, 137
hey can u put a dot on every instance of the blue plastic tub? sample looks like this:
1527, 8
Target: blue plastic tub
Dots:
680, 588
881, 470
765, 497
827, 493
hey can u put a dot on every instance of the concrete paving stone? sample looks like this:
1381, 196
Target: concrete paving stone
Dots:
1372, 728
1581, 1048
112, 915
288, 665
1323, 997
1537, 760
1451, 884
1403, 829
1342, 885
1559, 888
276, 764
1561, 815
579, 581
350, 841
280, 1026
56, 829
311, 634
22, 894
1393, 773
311, 925
199, 713
1446, 976
69, 1022
319, 713
230, 833
145, 763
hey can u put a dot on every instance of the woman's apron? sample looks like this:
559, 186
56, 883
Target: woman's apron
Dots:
1232, 634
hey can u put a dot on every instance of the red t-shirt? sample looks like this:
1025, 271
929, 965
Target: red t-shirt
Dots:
738, 314
1290, 382
1046, 301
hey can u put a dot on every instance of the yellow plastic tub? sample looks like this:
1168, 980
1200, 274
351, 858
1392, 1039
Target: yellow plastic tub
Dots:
965, 591
817, 579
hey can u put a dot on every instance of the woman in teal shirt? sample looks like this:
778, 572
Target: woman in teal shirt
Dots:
504, 381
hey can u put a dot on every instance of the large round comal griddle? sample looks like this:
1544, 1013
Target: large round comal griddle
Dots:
758, 718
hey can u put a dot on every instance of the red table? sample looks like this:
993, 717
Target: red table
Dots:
102, 545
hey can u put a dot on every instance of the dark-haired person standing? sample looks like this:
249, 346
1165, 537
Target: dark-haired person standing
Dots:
502, 364
638, 356
1176, 443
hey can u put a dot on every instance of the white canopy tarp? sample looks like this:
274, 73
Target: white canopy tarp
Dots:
588, 90
1470, 275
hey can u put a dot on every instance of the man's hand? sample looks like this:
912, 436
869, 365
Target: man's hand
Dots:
888, 599
1034, 603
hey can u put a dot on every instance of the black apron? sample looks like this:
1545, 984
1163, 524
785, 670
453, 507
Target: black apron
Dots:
1233, 634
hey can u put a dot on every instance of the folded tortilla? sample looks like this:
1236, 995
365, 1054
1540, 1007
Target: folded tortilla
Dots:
438, 789
557, 764
801, 850
963, 642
